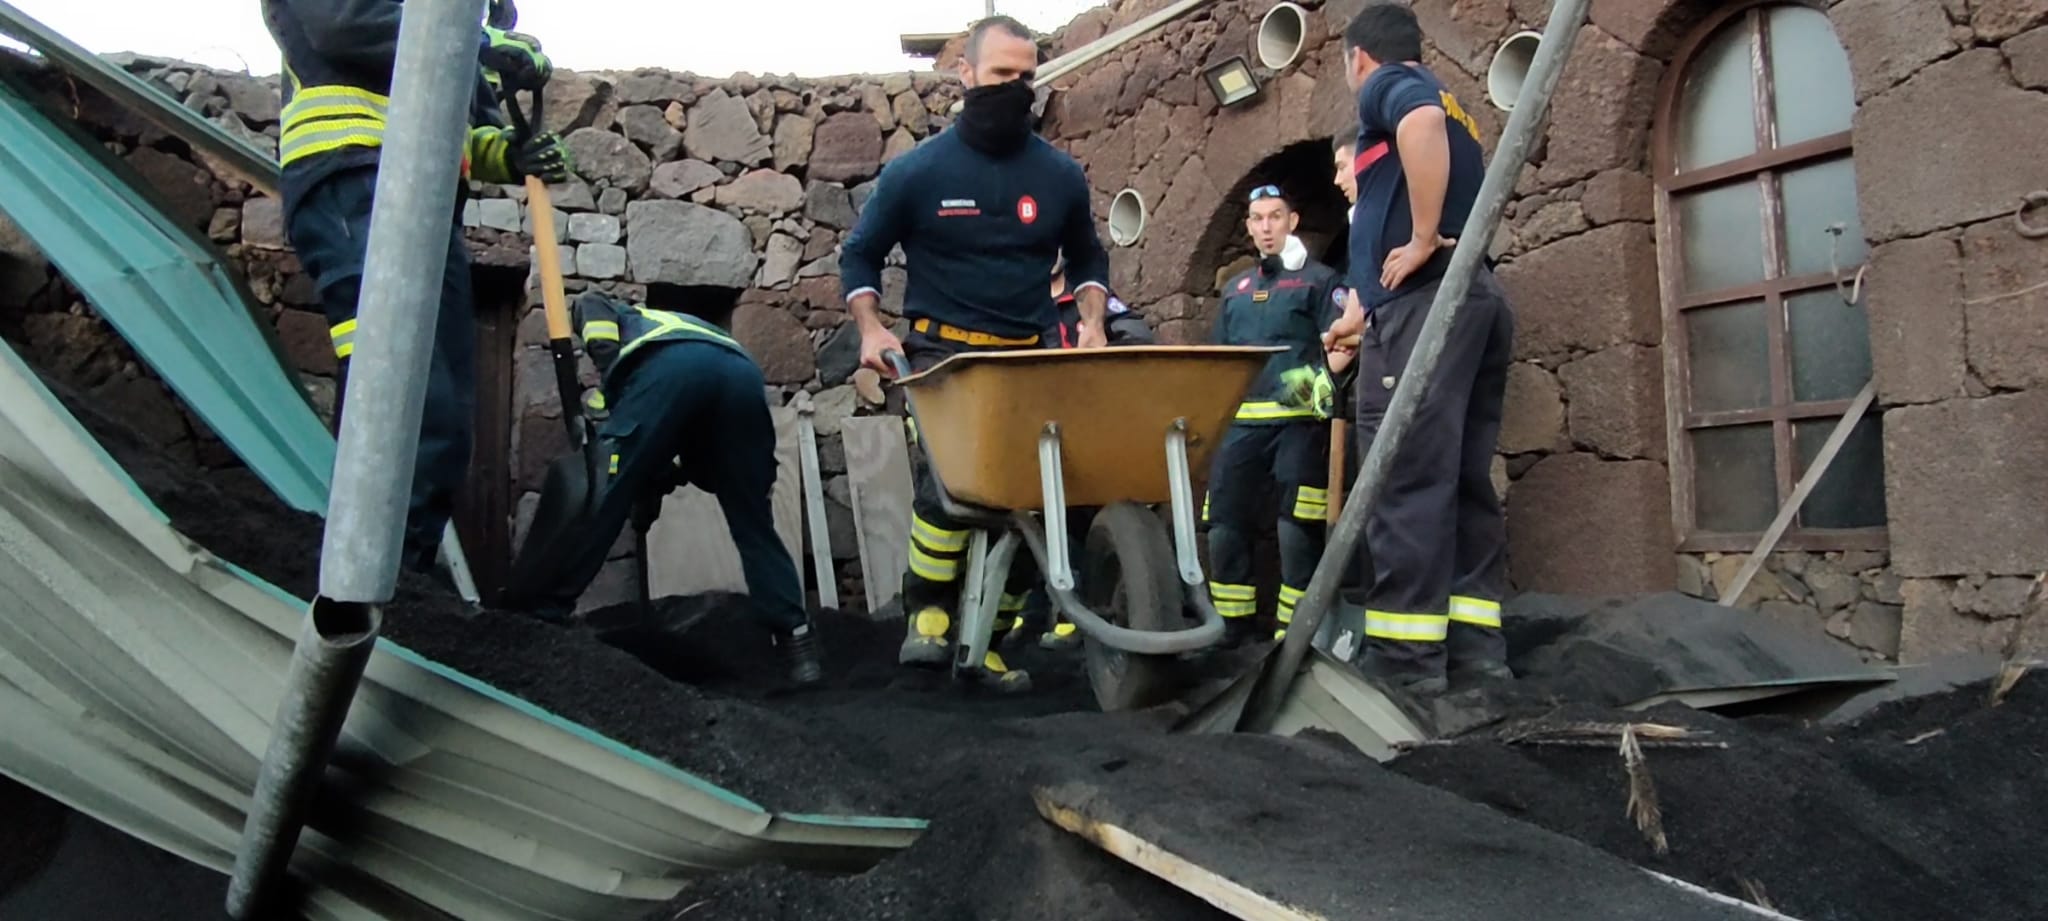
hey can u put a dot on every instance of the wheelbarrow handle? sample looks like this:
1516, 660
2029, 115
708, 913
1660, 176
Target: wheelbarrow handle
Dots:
898, 363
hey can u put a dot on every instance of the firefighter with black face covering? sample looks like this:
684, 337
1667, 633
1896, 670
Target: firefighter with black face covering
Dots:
1277, 439
980, 210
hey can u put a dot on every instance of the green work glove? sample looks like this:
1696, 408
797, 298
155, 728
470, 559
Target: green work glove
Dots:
1310, 388
497, 155
516, 58
543, 155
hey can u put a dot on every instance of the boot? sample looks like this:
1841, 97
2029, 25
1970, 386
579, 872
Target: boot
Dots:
1402, 677
1001, 678
925, 642
1238, 631
1062, 637
799, 648
1485, 668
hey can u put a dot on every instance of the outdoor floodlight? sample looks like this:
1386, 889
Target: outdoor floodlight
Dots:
1231, 81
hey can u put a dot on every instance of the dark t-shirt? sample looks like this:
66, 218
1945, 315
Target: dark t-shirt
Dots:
1383, 221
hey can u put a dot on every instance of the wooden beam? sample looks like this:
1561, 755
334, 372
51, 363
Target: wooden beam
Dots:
1200, 881
1821, 461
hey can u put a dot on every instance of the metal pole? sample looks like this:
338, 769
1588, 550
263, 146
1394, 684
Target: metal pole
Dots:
1270, 691
433, 78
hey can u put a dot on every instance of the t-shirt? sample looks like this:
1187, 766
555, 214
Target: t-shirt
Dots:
1381, 220
978, 234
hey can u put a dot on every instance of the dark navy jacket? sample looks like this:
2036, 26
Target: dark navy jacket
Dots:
1382, 221
614, 331
345, 43
979, 234
1125, 326
1290, 308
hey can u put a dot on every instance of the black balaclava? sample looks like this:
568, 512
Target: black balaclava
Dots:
1270, 266
996, 118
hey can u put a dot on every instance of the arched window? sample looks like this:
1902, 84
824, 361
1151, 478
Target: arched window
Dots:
1756, 224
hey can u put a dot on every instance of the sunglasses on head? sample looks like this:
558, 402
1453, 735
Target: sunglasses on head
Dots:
1265, 191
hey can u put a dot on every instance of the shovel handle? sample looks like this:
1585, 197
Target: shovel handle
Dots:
549, 254
1338, 437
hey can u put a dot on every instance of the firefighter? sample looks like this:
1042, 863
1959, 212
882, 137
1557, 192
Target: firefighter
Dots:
980, 210
1287, 299
682, 404
337, 77
1436, 538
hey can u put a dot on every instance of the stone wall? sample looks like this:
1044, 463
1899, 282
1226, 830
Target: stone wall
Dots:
747, 183
1951, 95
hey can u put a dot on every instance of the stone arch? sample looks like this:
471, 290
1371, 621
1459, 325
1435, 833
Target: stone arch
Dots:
1303, 170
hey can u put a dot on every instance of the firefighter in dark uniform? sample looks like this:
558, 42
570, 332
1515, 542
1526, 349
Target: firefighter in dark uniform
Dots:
1287, 299
1436, 538
682, 403
338, 58
980, 210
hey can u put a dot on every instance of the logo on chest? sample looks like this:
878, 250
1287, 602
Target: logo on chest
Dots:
1027, 209
958, 207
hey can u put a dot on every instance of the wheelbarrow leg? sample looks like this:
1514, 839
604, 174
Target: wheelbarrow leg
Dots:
1059, 573
1182, 484
981, 593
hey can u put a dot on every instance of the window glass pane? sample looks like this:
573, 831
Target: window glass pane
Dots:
1716, 104
1851, 493
1723, 230
1830, 346
1817, 197
1735, 482
1809, 74
1730, 351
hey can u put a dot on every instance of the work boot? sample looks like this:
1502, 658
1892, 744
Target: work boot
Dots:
1062, 637
1493, 669
925, 643
1000, 677
1238, 631
799, 648
1402, 677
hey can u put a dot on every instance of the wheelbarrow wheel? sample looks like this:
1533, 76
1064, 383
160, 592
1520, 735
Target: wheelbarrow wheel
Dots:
1130, 577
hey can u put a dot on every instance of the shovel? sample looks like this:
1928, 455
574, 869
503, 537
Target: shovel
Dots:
573, 482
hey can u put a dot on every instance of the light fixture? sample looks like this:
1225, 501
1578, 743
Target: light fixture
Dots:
1231, 81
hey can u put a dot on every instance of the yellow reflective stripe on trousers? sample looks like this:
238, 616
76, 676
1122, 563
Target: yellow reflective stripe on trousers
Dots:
1010, 604
1310, 503
1421, 628
600, 330
934, 568
1478, 612
615, 465
1234, 600
937, 539
344, 336
1289, 597
1261, 410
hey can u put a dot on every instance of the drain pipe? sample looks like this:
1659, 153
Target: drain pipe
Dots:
1270, 690
432, 81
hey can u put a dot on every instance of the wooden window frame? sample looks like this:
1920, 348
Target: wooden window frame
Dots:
1764, 169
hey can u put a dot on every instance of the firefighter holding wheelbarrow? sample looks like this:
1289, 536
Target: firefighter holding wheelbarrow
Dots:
980, 210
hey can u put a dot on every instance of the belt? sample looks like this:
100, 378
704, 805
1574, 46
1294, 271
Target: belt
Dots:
969, 336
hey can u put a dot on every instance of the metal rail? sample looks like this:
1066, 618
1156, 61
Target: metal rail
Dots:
1270, 692
431, 86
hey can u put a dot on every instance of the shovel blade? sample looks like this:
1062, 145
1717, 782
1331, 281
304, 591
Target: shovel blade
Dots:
570, 491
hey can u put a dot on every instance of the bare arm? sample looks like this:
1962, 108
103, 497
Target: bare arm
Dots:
1426, 162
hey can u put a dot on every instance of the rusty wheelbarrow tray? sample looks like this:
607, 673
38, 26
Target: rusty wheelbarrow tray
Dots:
1014, 438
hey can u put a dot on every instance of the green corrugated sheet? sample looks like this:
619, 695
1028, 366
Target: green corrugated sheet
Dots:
166, 292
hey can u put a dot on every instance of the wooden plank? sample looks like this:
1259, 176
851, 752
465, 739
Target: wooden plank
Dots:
1205, 884
1828, 450
878, 470
689, 551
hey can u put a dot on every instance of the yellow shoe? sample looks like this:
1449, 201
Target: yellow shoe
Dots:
1001, 677
924, 642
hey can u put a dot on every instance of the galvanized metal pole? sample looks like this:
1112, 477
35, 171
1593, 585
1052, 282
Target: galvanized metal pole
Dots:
432, 82
1270, 691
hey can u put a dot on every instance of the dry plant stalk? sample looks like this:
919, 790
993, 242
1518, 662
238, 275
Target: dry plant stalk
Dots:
1754, 892
1642, 794
1599, 731
2012, 669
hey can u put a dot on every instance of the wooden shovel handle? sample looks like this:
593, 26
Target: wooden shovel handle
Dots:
549, 253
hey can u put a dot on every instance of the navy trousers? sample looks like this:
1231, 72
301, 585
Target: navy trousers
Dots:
329, 227
703, 405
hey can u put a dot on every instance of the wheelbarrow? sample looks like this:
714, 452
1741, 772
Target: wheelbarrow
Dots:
1013, 438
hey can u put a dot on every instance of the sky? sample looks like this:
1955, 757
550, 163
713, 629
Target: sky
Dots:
710, 37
